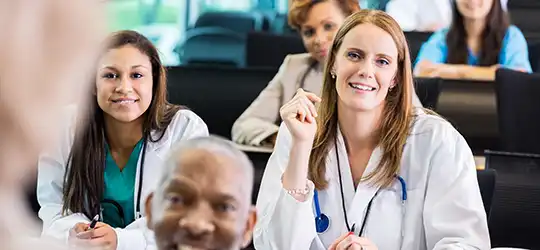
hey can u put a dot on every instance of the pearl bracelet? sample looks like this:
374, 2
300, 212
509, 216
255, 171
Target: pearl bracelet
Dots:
301, 191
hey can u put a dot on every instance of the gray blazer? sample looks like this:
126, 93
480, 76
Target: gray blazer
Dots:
261, 119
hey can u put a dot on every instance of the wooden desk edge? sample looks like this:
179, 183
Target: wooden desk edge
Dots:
254, 149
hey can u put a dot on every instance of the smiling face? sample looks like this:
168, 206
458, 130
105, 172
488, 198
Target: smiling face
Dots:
124, 83
365, 68
204, 204
474, 9
323, 21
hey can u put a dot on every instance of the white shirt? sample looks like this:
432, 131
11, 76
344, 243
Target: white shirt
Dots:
420, 15
52, 166
443, 210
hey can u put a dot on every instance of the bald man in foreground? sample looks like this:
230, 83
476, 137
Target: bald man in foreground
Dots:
203, 200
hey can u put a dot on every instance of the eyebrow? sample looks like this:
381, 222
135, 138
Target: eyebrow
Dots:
183, 183
364, 52
225, 196
132, 67
328, 19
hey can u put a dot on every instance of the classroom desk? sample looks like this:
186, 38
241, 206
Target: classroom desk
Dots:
260, 155
254, 149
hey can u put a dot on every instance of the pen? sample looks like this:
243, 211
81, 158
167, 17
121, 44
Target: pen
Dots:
94, 222
352, 230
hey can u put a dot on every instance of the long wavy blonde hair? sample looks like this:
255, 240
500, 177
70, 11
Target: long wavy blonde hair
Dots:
397, 113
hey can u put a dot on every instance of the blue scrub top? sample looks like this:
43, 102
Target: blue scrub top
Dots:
119, 187
514, 50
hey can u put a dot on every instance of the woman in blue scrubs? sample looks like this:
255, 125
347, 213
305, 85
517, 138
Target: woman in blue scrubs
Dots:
110, 157
479, 41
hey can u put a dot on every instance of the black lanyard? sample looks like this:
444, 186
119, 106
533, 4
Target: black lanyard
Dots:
141, 172
366, 216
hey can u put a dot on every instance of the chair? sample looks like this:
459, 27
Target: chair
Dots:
521, 17
218, 95
213, 46
415, 39
237, 21
515, 211
471, 107
280, 25
268, 50
518, 108
428, 91
486, 182
534, 56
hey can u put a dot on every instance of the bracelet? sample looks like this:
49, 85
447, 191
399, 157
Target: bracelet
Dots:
301, 191
298, 191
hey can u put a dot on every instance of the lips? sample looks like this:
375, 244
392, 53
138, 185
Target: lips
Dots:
362, 87
322, 52
189, 247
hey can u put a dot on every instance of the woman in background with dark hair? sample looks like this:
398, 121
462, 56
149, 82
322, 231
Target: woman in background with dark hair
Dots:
479, 41
110, 157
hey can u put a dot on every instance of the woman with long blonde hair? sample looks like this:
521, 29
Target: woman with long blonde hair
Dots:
367, 170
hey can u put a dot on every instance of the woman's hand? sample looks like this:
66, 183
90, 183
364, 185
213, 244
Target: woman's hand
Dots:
352, 242
102, 236
299, 115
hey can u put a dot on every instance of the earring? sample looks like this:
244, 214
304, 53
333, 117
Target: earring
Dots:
333, 75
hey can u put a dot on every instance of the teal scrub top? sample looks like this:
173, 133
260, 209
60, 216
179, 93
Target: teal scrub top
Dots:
514, 52
119, 189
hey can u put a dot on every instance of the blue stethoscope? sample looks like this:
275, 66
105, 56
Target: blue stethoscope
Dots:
322, 221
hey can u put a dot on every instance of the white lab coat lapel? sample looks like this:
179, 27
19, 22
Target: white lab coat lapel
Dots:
356, 200
151, 173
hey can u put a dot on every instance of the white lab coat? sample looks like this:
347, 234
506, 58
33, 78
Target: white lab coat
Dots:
419, 15
444, 209
52, 166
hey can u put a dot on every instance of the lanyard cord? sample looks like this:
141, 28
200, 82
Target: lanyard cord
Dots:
141, 172
349, 229
341, 189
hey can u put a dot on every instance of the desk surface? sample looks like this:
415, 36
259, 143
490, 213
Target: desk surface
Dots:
479, 160
254, 149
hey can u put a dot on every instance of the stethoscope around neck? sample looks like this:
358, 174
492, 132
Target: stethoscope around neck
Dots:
138, 214
322, 221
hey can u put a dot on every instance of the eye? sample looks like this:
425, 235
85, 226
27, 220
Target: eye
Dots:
328, 26
136, 75
383, 62
110, 75
353, 55
308, 32
225, 207
174, 199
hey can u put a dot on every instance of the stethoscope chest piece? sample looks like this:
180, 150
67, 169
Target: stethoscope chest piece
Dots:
322, 223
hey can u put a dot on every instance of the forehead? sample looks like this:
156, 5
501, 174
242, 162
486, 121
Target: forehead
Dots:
211, 171
125, 55
371, 39
327, 10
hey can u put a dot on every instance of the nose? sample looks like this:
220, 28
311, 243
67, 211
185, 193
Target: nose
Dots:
366, 68
320, 37
197, 222
124, 86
